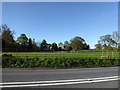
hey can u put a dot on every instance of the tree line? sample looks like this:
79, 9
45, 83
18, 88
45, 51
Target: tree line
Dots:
25, 44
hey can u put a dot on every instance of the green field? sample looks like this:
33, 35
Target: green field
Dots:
79, 54
60, 59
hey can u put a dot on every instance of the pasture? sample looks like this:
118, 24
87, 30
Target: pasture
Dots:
66, 54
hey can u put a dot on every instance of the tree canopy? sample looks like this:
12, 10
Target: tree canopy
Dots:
77, 43
24, 43
22, 40
43, 45
7, 37
106, 42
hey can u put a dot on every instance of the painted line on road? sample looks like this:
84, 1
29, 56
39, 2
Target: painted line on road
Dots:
54, 84
59, 82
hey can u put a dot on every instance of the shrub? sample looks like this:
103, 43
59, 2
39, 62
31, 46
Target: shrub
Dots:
57, 62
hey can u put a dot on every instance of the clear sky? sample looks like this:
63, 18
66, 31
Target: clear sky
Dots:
61, 21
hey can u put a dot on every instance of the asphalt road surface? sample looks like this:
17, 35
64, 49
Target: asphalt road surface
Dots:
102, 77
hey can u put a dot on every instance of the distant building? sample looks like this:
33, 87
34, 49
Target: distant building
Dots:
61, 46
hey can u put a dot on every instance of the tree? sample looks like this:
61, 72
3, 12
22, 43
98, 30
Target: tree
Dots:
105, 47
107, 42
60, 46
54, 46
110, 48
7, 35
98, 46
8, 41
86, 47
107, 39
116, 37
118, 48
77, 43
33, 42
67, 46
49, 46
22, 40
30, 45
43, 45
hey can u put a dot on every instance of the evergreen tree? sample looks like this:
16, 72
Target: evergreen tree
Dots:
43, 45
30, 45
54, 47
8, 41
22, 40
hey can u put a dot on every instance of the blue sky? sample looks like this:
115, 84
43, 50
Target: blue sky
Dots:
61, 21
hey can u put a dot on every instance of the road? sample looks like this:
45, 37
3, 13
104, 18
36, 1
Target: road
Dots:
101, 77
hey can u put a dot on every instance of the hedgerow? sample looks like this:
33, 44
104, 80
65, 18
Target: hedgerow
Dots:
56, 62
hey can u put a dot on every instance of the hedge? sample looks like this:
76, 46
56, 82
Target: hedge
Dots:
57, 62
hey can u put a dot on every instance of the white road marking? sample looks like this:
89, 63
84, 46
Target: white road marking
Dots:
59, 82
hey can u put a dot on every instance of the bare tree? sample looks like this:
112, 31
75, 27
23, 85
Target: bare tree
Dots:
116, 37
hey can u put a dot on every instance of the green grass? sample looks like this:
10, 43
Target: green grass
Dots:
59, 59
71, 54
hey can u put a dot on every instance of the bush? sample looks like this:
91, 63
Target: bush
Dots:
57, 62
